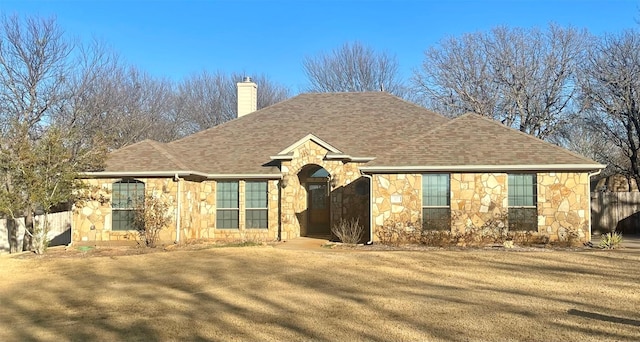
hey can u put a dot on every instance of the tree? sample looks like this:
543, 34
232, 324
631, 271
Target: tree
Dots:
353, 67
610, 94
36, 161
523, 78
208, 99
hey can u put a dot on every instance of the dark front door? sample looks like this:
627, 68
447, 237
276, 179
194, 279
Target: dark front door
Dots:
318, 209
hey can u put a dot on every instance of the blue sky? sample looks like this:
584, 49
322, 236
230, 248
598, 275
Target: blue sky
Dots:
176, 38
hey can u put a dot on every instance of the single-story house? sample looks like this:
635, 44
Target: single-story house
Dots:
300, 166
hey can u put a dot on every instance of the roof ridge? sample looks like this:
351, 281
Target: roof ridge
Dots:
562, 149
126, 147
158, 147
419, 106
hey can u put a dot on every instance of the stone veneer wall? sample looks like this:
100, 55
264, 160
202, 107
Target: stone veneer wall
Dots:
92, 219
477, 198
406, 192
294, 195
564, 204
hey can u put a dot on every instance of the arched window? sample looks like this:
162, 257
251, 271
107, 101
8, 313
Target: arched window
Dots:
127, 196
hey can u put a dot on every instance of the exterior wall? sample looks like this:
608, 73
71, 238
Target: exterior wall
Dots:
564, 204
477, 198
397, 198
294, 195
92, 218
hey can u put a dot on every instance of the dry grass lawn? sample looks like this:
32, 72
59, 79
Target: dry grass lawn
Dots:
264, 293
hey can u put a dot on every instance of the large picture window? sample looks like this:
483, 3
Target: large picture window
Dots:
127, 197
436, 212
256, 208
227, 208
523, 201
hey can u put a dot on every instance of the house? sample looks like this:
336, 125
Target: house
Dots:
299, 166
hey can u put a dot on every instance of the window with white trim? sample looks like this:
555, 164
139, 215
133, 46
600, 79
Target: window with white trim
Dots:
436, 210
127, 196
523, 202
227, 205
256, 210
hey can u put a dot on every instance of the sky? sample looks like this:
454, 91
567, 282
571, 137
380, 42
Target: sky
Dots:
175, 39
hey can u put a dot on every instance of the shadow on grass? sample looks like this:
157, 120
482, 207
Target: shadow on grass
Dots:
605, 318
262, 294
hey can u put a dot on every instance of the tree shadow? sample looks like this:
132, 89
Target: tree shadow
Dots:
605, 318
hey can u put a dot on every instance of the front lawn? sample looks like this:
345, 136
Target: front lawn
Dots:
265, 293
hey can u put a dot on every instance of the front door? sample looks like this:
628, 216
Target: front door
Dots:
318, 209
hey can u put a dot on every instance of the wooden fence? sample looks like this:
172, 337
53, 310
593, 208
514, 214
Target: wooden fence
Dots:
59, 230
619, 211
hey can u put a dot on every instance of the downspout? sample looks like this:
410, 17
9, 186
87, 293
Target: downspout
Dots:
280, 186
176, 178
591, 174
370, 242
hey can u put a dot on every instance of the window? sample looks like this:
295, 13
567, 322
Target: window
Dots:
227, 205
523, 200
127, 197
256, 205
436, 213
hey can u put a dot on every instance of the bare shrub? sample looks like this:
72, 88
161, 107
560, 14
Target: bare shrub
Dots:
568, 237
151, 219
348, 231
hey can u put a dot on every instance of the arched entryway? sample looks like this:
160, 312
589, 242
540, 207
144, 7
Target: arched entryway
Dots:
315, 182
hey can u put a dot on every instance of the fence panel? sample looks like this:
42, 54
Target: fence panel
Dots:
619, 211
59, 230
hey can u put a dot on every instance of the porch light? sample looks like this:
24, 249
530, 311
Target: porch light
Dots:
333, 181
284, 181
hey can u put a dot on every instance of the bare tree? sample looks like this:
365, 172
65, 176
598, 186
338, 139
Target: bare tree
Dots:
523, 78
353, 67
610, 89
35, 70
118, 103
209, 99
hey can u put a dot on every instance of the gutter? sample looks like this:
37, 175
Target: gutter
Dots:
172, 174
478, 168
591, 174
370, 242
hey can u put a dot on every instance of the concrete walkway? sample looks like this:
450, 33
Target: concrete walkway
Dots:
302, 243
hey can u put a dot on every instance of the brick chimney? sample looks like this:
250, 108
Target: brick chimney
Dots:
247, 97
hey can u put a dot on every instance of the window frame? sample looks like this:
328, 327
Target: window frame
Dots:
517, 210
250, 209
426, 207
138, 189
221, 210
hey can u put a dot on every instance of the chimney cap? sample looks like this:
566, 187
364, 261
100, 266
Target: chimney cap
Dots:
246, 79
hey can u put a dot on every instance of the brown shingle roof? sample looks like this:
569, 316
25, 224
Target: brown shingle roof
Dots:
146, 155
358, 124
471, 140
369, 124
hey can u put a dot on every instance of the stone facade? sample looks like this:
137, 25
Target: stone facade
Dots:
92, 218
294, 194
397, 198
476, 198
564, 204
